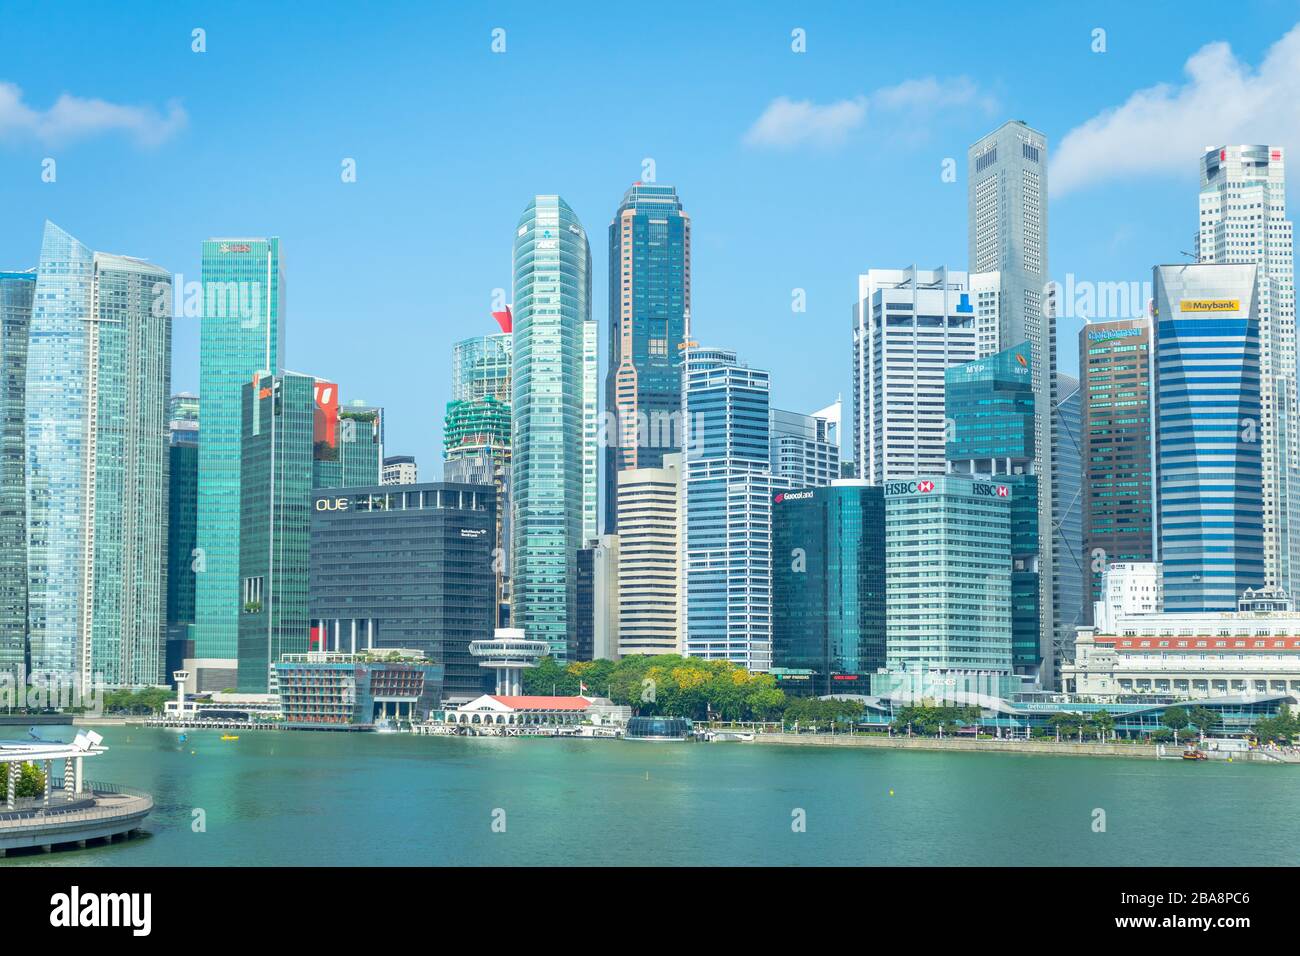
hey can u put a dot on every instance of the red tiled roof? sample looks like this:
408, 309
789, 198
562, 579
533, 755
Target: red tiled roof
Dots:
544, 703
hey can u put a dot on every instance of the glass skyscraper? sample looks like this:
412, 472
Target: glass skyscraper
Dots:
1067, 514
649, 310
552, 423
16, 289
989, 405
98, 371
828, 584
1207, 444
242, 336
182, 510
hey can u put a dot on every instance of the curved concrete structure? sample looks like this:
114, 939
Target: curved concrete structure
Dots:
102, 812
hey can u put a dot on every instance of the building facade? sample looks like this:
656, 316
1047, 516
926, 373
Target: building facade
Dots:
405, 567
551, 480
649, 519
348, 443
727, 551
16, 291
182, 515
806, 448
649, 319
1115, 366
1068, 567
399, 470
1242, 220
322, 691
98, 376
909, 327
1207, 454
242, 335
828, 585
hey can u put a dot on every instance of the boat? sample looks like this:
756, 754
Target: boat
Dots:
1194, 754
230, 736
384, 726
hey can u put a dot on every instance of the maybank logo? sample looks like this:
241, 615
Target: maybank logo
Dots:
1209, 305
797, 496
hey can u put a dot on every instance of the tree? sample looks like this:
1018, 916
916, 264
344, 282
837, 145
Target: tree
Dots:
1176, 719
30, 782
1203, 719
1281, 728
1104, 723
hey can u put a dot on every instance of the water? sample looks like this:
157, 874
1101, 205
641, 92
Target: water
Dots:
279, 798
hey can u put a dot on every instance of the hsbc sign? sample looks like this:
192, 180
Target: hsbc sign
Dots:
909, 487
981, 490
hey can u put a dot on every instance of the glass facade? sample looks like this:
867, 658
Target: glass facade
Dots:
990, 410
242, 335
406, 567
16, 290
182, 509
99, 367
1207, 444
828, 585
480, 368
649, 309
1067, 516
551, 421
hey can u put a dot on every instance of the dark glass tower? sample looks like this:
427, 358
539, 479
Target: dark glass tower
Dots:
649, 310
828, 584
16, 289
989, 406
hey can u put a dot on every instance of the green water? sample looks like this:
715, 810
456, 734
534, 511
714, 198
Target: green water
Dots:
278, 798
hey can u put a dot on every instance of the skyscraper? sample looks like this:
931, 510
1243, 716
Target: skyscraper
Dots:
1007, 233
348, 443
1115, 367
242, 335
16, 289
990, 410
649, 309
828, 584
909, 327
727, 555
649, 540
400, 470
182, 512
1243, 220
549, 411
1067, 518
806, 448
98, 371
1207, 449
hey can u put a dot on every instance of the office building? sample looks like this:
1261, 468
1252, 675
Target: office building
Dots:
1007, 234
242, 335
480, 368
348, 442
551, 481
909, 327
597, 600
948, 582
1243, 221
990, 410
98, 370
1115, 367
1068, 566
649, 518
405, 566
828, 585
399, 470
319, 690
182, 520
1207, 450
649, 318
16, 290
806, 448
727, 554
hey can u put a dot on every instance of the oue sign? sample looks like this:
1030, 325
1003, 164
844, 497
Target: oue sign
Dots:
331, 504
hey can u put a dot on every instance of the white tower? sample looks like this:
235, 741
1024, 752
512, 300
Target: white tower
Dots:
508, 653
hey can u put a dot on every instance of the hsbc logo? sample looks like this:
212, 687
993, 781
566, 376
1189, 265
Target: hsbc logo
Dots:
925, 486
982, 490
909, 487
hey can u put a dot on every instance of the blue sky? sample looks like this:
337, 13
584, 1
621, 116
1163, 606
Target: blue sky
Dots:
158, 147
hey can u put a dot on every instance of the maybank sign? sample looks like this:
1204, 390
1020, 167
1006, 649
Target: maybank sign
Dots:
1209, 305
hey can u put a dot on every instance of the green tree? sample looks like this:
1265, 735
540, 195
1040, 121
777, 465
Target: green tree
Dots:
30, 782
1104, 723
1202, 718
1176, 719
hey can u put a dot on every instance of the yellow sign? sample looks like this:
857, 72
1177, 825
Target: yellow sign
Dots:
1209, 305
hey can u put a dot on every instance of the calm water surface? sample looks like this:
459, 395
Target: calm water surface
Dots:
278, 798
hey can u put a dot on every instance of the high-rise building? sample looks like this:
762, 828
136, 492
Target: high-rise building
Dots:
1007, 234
1243, 220
806, 448
948, 580
281, 424
828, 585
990, 410
649, 558
1115, 368
1207, 450
98, 376
550, 431
16, 289
405, 567
480, 368
349, 441
242, 336
399, 470
727, 554
182, 513
649, 318
1067, 519
909, 327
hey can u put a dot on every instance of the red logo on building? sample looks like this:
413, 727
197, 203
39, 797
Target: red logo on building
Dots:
925, 486
1003, 491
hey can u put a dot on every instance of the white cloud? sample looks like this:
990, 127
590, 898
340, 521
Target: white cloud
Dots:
72, 117
1164, 128
788, 123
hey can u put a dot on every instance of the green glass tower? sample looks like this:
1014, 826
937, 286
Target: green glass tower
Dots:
552, 419
16, 290
182, 510
242, 336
